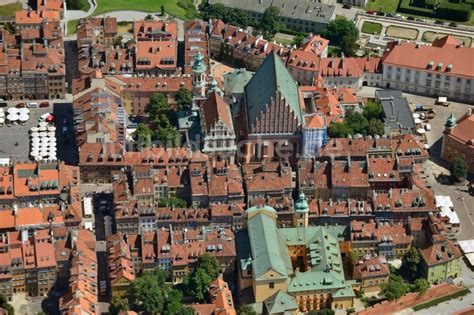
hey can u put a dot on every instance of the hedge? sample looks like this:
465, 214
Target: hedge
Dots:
454, 11
405, 7
441, 300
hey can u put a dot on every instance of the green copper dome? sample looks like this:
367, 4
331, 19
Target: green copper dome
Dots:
301, 205
451, 122
213, 87
198, 65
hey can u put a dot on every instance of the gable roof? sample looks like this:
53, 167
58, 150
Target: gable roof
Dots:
216, 109
266, 251
272, 76
280, 302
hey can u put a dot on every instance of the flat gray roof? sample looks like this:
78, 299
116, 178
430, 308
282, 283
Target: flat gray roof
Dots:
308, 10
397, 113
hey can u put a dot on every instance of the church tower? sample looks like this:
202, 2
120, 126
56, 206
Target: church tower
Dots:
301, 218
199, 76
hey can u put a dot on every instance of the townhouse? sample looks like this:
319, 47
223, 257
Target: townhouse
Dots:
372, 272
458, 140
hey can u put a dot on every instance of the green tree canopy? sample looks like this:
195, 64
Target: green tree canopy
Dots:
118, 304
339, 130
324, 311
184, 99
372, 110
356, 121
298, 40
175, 202
246, 310
375, 127
207, 269
421, 285
158, 105
459, 169
269, 21
143, 135
394, 288
228, 15
411, 264
343, 33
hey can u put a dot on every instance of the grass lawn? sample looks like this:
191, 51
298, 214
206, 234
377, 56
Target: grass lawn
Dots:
430, 36
10, 9
125, 28
401, 32
172, 7
71, 27
371, 28
387, 6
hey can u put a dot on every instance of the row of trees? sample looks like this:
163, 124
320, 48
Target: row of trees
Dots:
366, 123
151, 294
160, 126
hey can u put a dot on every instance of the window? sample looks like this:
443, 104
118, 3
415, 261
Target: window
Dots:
271, 285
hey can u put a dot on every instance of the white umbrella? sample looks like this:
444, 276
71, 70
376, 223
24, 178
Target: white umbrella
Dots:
51, 128
53, 149
43, 124
2, 120
34, 129
42, 128
415, 115
417, 121
24, 110
421, 131
12, 117
23, 117
2, 114
34, 153
38, 157
34, 134
35, 140
13, 110
43, 134
51, 134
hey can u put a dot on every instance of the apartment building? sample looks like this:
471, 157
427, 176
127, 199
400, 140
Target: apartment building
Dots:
458, 140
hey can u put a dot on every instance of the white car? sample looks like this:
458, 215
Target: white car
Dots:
32, 105
427, 127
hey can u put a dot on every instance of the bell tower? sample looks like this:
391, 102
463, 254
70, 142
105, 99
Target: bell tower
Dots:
301, 218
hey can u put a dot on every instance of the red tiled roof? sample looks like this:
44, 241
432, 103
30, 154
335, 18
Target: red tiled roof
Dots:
445, 56
440, 252
148, 29
216, 109
156, 55
463, 131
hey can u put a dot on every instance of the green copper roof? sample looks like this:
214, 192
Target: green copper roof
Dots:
301, 204
270, 77
451, 122
267, 252
213, 87
280, 302
234, 82
199, 65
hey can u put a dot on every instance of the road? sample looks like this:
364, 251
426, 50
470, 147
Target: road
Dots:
420, 26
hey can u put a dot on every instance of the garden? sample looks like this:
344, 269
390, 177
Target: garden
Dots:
371, 28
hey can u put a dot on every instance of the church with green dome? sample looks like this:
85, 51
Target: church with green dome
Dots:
299, 266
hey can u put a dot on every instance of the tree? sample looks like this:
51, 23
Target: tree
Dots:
184, 99
343, 33
118, 304
356, 121
7, 306
209, 264
269, 21
376, 127
146, 294
421, 285
298, 40
168, 137
162, 10
459, 169
246, 310
175, 202
411, 268
394, 288
158, 105
149, 17
143, 135
339, 130
372, 110
118, 41
206, 270
185, 310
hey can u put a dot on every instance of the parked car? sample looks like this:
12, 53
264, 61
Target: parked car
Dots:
453, 24
32, 105
439, 22
3, 104
390, 15
44, 104
370, 12
410, 18
346, 6
399, 16
20, 105
380, 13
420, 20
